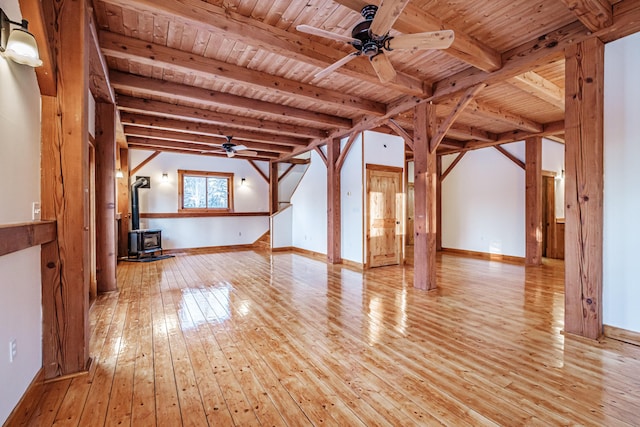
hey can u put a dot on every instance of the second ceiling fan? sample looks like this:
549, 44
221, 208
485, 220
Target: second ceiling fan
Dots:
231, 149
371, 38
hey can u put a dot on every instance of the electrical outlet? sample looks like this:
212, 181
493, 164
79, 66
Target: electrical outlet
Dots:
35, 211
13, 350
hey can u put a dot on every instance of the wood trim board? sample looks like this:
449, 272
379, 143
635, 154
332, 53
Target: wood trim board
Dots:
623, 335
157, 215
16, 237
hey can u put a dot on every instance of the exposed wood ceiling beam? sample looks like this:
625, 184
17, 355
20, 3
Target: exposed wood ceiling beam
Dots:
345, 151
515, 61
156, 122
32, 10
466, 133
160, 144
234, 26
323, 156
556, 138
143, 52
464, 47
594, 14
144, 162
257, 169
506, 137
448, 143
523, 58
144, 106
536, 85
99, 84
494, 113
400, 131
444, 127
452, 165
156, 87
510, 156
136, 146
201, 139
456, 131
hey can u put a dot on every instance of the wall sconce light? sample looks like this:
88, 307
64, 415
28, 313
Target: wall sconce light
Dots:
165, 177
119, 174
18, 45
242, 181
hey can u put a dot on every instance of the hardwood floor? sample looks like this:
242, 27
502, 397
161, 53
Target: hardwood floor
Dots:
248, 338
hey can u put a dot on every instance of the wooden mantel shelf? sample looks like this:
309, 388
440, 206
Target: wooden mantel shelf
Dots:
18, 236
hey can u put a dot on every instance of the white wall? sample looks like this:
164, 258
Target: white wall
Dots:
281, 228
383, 149
20, 305
309, 216
483, 203
351, 202
162, 197
483, 199
621, 183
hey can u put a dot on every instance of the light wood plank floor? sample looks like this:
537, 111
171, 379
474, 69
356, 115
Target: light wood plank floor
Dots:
248, 338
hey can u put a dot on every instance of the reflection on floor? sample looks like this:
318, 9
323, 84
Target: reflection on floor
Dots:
250, 338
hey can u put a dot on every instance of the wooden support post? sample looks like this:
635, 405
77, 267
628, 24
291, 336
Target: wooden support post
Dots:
334, 255
584, 183
106, 197
273, 188
439, 203
533, 204
64, 189
123, 203
425, 178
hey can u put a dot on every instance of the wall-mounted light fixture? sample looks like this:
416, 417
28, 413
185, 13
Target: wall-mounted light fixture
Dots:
119, 174
165, 177
242, 181
18, 45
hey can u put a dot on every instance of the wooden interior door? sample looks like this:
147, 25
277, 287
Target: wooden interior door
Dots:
384, 215
410, 212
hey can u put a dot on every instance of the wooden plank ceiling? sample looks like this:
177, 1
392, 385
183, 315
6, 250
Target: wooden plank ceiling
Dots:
186, 73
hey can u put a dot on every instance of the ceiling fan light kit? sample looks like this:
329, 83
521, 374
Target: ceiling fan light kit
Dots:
372, 44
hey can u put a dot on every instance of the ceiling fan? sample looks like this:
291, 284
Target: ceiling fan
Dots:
371, 38
231, 149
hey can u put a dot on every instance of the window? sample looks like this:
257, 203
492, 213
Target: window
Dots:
205, 191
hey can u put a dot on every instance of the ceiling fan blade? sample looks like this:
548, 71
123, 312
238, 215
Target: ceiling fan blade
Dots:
336, 65
324, 33
383, 67
240, 147
432, 40
388, 12
213, 152
248, 153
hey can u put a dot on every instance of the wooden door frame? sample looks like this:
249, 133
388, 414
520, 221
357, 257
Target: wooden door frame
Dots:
93, 263
367, 247
549, 231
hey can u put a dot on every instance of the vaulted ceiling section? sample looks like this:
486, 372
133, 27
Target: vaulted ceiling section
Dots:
187, 73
